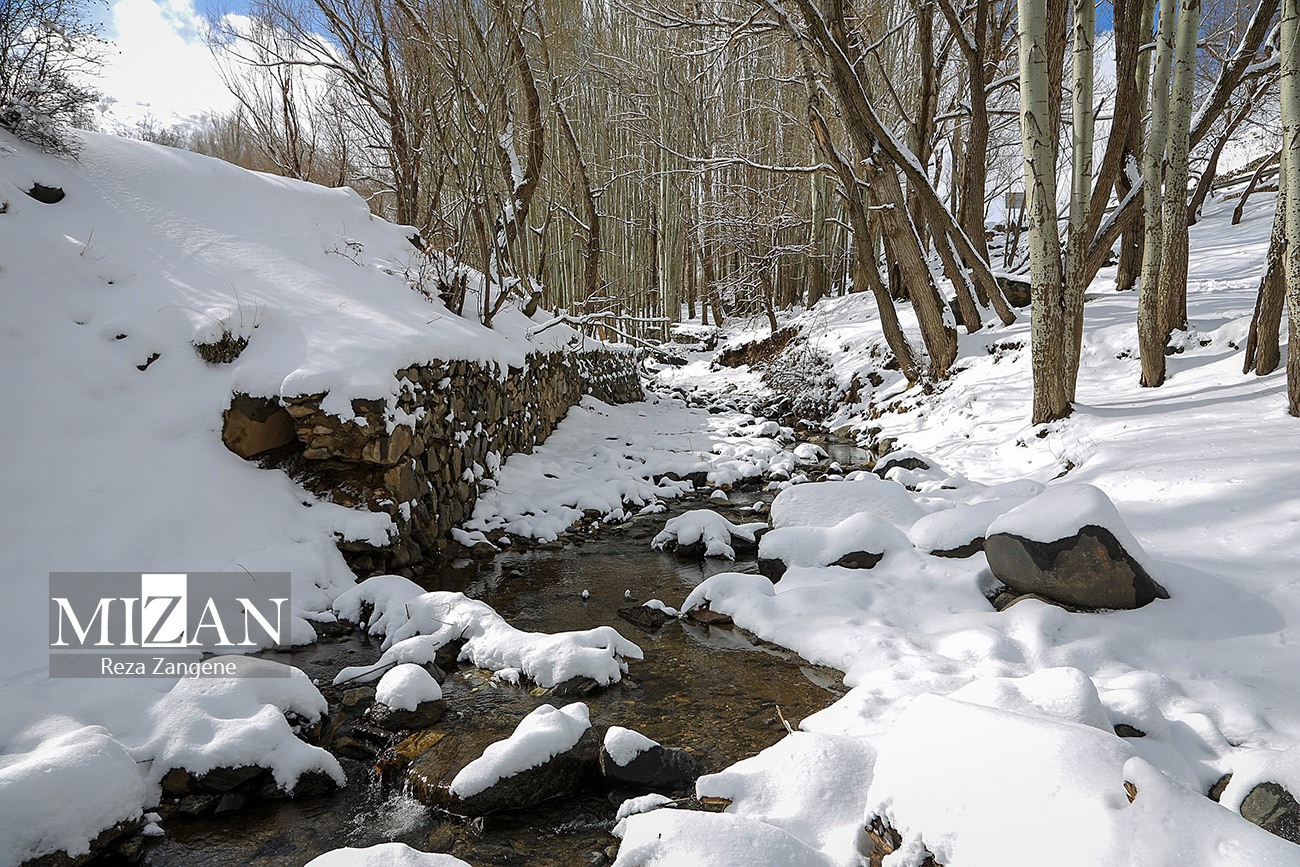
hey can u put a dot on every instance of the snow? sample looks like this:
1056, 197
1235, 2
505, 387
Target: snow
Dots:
623, 745
384, 855
406, 686
977, 715
1061, 510
643, 804
825, 504
605, 458
416, 624
115, 463
952, 528
682, 838
545, 733
704, 525
1070, 778
85, 772
822, 546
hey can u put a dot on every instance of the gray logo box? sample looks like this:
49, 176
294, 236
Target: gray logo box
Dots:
151, 624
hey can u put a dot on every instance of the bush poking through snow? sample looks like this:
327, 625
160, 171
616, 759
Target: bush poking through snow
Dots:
701, 532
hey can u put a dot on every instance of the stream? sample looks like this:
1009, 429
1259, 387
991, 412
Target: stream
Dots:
712, 690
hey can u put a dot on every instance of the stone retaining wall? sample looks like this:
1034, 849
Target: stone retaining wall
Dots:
424, 465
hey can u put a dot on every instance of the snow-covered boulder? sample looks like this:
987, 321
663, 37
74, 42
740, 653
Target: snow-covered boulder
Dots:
858, 542
702, 532
547, 755
384, 855
1070, 545
959, 531
73, 795
825, 504
631, 758
1092, 799
1262, 787
407, 697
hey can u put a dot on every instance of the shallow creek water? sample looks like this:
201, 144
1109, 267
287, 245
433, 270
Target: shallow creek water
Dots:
712, 690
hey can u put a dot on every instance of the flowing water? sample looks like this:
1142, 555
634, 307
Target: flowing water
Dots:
709, 689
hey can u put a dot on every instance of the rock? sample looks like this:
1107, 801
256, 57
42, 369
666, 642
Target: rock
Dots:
1084, 563
882, 840
359, 695
860, 541
1273, 808
1220, 786
575, 686
46, 195
559, 775
179, 781
706, 616
1124, 730
658, 768
425, 714
255, 425
1089, 570
105, 841
644, 616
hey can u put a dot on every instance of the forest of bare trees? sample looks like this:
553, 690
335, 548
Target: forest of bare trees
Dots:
633, 164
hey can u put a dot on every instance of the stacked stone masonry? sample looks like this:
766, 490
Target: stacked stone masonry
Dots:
455, 424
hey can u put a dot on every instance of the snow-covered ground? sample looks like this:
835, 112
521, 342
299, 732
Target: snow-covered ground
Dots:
988, 736
112, 447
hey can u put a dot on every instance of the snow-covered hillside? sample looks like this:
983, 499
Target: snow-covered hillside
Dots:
112, 431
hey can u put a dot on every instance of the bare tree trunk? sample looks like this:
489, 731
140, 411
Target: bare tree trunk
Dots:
1263, 351
1290, 33
1263, 166
1048, 333
1076, 251
1151, 336
1173, 258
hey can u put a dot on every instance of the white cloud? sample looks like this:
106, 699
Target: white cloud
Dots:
159, 65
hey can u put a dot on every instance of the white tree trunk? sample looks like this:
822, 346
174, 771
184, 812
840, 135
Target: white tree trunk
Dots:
1290, 33
1173, 256
1047, 330
1151, 340
1085, 27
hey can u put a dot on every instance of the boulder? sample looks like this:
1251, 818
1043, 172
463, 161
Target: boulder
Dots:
425, 714
1069, 545
254, 425
858, 542
633, 759
559, 753
1273, 808
645, 616
705, 533
825, 504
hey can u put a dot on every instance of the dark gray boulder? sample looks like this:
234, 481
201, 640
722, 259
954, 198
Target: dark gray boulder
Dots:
1273, 808
1090, 569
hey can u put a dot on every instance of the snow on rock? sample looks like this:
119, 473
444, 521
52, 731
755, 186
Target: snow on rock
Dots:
1066, 694
809, 453
1061, 510
825, 504
683, 838
623, 745
384, 855
702, 531
809, 785
406, 687
643, 804
416, 625
1258, 768
59, 796
543, 734
960, 531
1070, 545
857, 542
202, 724
1070, 778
